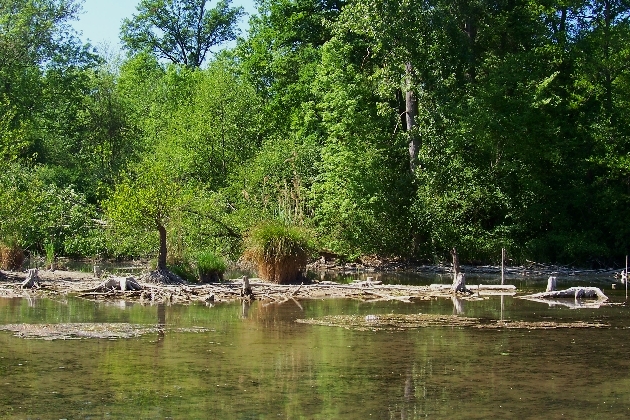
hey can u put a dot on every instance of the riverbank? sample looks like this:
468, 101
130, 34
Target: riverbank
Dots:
85, 285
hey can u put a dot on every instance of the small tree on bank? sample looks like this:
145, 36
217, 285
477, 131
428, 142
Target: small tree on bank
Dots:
147, 202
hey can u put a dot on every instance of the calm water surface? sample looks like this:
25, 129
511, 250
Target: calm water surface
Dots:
255, 362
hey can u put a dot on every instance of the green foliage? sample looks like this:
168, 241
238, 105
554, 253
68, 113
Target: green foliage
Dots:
49, 249
35, 212
278, 250
208, 262
210, 266
520, 121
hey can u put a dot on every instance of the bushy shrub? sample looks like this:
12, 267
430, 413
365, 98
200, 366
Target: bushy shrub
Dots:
210, 267
11, 255
280, 252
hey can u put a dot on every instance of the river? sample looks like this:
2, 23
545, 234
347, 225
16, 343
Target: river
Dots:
255, 362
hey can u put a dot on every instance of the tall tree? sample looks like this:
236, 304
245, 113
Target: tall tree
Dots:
182, 31
35, 38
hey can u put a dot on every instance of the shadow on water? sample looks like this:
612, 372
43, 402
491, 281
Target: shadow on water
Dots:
251, 360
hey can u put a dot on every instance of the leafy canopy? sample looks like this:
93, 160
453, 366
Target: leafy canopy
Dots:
182, 31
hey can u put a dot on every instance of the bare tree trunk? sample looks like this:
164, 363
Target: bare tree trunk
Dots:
459, 279
455, 262
246, 292
162, 253
411, 111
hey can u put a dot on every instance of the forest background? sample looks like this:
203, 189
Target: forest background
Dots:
391, 128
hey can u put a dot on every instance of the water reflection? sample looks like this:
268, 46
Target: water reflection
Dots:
254, 361
458, 305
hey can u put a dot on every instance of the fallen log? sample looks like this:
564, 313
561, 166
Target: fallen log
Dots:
571, 293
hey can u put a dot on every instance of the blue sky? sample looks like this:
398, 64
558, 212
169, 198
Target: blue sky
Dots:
101, 19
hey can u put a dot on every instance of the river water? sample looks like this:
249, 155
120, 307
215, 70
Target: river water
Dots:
256, 362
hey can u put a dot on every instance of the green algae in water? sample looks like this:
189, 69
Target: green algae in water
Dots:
399, 322
77, 331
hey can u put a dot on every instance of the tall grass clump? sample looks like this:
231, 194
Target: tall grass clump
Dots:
11, 255
280, 252
210, 267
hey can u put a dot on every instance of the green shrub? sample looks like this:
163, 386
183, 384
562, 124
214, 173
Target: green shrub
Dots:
11, 255
280, 252
210, 267
184, 270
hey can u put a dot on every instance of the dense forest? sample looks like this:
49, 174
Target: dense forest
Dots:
391, 128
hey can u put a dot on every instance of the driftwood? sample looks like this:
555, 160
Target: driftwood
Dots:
571, 293
32, 279
117, 284
551, 284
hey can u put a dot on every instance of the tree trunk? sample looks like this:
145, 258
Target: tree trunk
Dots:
455, 263
161, 265
459, 279
247, 289
411, 111
551, 284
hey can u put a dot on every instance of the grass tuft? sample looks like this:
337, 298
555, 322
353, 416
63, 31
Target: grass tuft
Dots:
280, 252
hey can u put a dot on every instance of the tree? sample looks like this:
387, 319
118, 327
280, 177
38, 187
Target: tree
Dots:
150, 200
182, 31
35, 39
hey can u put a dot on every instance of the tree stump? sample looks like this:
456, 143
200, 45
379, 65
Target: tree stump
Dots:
246, 292
551, 284
32, 279
459, 279
459, 284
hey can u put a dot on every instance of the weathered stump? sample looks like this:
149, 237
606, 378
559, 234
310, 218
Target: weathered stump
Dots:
246, 292
32, 279
459, 284
551, 284
459, 279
